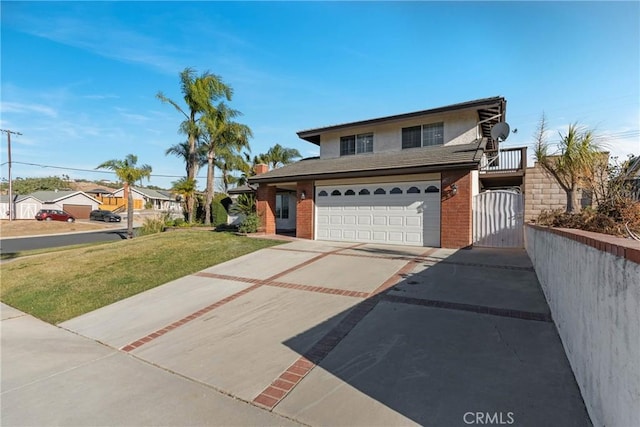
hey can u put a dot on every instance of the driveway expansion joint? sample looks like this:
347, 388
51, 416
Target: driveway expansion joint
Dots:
256, 284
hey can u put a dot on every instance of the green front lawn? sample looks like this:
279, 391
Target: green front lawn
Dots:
61, 285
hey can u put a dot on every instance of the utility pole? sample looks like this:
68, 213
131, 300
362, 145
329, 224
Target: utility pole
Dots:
9, 132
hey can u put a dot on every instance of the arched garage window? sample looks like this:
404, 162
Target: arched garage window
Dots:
379, 191
395, 190
322, 194
364, 192
336, 193
432, 189
413, 190
349, 193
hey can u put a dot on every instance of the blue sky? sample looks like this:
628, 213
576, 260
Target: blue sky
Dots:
79, 78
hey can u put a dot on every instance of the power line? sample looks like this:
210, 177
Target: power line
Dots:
100, 171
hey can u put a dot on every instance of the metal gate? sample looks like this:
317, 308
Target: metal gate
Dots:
498, 219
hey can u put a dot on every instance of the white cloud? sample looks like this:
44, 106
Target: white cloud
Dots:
16, 107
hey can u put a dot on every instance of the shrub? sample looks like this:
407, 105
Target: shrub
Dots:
218, 211
609, 218
152, 226
250, 224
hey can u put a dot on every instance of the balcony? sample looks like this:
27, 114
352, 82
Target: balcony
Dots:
503, 167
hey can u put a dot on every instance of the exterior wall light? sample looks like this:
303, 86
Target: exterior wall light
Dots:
303, 195
454, 189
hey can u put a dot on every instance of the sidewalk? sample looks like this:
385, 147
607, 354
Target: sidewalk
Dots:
51, 376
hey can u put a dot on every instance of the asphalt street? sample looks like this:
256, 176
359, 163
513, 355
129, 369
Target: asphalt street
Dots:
52, 241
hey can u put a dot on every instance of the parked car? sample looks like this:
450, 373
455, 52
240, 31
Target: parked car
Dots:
54, 215
106, 216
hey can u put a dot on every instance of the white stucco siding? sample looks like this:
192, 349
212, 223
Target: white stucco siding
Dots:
459, 128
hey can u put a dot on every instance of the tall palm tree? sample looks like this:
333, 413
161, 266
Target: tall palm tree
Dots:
278, 156
223, 138
181, 151
128, 172
578, 152
199, 93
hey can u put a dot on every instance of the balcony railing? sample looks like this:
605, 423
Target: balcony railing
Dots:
509, 160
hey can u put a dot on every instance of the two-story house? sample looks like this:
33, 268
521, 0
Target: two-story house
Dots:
403, 179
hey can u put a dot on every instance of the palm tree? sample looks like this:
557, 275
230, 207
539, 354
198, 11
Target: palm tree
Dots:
181, 151
279, 156
224, 139
199, 93
577, 154
186, 188
128, 172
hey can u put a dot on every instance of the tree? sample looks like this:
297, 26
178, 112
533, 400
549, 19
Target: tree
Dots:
224, 139
186, 189
181, 151
279, 156
577, 154
199, 93
128, 172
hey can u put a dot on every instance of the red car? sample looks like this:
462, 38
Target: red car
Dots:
54, 215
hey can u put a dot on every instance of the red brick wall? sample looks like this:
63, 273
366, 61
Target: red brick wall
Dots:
305, 210
455, 210
266, 207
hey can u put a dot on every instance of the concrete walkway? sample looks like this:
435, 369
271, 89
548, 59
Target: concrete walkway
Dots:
320, 333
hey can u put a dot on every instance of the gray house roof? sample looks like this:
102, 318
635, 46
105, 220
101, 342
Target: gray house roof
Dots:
4, 198
490, 111
54, 196
413, 160
149, 193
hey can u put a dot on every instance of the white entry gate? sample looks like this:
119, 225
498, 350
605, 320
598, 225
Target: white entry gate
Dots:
498, 219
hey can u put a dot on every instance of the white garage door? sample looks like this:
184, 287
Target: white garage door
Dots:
406, 213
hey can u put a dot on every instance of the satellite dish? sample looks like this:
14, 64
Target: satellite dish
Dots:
500, 131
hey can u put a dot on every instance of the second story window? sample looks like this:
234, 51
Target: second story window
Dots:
356, 144
423, 136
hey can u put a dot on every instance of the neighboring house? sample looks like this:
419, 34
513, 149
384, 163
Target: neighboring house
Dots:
237, 218
404, 179
77, 203
146, 198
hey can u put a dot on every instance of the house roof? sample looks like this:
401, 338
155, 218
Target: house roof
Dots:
99, 191
4, 198
412, 160
241, 189
147, 192
493, 110
54, 196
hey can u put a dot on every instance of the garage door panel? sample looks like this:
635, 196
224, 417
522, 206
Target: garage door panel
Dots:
413, 221
78, 211
379, 236
363, 234
379, 220
364, 220
396, 236
349, 234
399, 217
396, 220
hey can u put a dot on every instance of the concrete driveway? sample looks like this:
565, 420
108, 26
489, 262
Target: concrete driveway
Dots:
318, 333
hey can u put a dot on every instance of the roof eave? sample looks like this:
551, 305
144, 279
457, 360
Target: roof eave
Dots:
313, 135
365, 173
